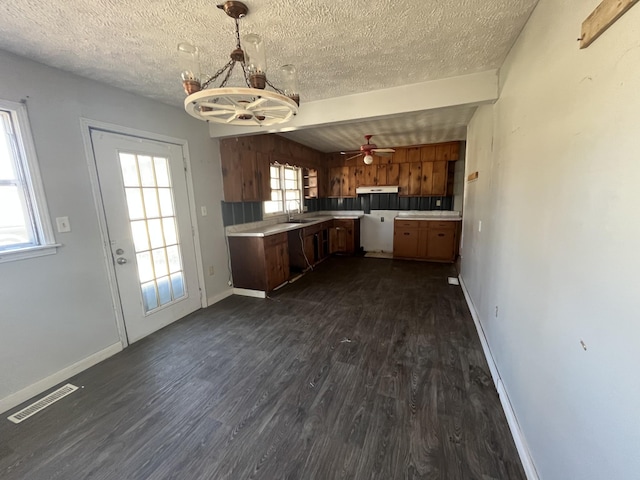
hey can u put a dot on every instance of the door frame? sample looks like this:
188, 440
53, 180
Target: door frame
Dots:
87, 125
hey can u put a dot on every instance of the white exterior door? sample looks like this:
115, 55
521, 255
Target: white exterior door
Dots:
146, 205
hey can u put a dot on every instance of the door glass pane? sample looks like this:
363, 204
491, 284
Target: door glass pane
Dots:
155, 233
153, 229
134, 203
164, 290
129, 170
166, 203
151, 207
140, 236
145, 266
147, 175
160, 262
162, 172
170, 236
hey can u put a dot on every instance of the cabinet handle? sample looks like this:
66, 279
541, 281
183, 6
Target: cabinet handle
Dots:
441, 234
406, 233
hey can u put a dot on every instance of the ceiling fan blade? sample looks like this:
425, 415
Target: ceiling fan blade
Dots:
382, 154
351, 158
383, 150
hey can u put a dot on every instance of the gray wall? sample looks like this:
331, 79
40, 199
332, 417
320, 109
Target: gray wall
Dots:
57, 310
558, 158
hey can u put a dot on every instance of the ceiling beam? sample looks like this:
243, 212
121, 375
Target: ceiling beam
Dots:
470, 90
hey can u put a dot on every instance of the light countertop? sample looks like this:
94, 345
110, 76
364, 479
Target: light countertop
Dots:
257, 230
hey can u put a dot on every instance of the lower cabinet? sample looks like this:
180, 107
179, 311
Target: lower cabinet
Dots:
309, 245
259, 263
436, 241
344, 236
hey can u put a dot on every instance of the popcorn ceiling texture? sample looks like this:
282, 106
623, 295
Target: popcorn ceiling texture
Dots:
419, 128
340, 48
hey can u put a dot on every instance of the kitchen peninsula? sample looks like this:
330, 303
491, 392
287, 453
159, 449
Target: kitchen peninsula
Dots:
266, 255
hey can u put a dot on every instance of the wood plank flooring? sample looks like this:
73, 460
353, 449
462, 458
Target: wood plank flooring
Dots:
363, 369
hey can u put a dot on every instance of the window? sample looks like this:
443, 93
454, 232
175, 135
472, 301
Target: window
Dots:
25, 230
286, 190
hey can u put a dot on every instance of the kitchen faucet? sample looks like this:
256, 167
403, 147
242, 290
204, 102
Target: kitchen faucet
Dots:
289, 212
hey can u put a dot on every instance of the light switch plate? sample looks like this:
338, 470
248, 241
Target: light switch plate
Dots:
203, 211
63, 224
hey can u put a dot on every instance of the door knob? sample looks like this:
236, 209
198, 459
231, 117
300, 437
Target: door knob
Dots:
119, 251
121, 261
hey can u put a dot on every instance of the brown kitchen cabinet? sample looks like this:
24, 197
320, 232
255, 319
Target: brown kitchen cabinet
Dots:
259, 263
435, 241
342, 182
309, 245
344, 236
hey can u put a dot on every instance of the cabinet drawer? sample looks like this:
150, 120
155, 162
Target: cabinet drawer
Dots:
406, 223
275, 239
440, 225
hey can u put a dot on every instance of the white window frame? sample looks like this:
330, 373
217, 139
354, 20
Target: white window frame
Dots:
43, 240
284, 208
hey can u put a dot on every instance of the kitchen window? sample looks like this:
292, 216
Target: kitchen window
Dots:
286, 190
25, 228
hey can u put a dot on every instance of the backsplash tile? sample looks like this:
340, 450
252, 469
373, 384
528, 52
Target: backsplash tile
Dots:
235, 213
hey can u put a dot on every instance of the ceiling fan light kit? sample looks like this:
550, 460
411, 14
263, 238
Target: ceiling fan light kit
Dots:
249, 106
367, 149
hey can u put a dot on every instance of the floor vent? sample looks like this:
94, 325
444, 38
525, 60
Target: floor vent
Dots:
42, 403
453, 281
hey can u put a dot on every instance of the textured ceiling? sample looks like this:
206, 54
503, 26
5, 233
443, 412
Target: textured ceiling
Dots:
433, 126
339, 48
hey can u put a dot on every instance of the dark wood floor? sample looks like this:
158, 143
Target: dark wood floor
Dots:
362, 369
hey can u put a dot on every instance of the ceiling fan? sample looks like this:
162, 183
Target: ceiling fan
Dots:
368, 149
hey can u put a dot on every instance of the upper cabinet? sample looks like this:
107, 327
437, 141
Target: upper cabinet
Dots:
420, 171
245, 166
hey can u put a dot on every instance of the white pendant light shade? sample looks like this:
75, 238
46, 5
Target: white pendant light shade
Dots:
368, 159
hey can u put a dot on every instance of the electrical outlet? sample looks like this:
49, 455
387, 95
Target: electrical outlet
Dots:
496, 311
210, 270
382, 219
438, 203
63, 224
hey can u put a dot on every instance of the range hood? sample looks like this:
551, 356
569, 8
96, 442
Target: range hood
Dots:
385, 189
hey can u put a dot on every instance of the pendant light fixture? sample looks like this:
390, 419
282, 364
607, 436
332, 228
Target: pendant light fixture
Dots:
251, 105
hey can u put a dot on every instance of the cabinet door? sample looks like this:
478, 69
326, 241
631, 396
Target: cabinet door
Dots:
439, 184
338, 240
403, 179
231, 172
393, 174
427, 179
441, 244
335, 181
249, 183
309, 250
382, 174
415, 177
369, 176
263, 178
349, 184
405, 242
277, 263
423, 242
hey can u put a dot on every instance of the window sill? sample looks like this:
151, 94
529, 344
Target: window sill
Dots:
29, 252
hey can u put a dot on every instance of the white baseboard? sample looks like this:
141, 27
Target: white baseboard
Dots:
41, 386
249, 293
512, 421
219, 297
